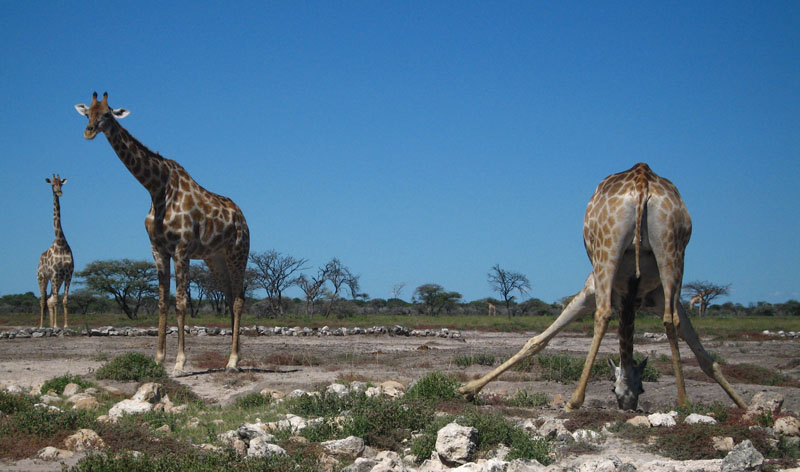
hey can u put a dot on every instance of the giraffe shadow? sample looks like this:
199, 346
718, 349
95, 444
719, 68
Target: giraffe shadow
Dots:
239, 370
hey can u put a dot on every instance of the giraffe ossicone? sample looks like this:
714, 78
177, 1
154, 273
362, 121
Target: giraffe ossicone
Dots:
635, 231
55, 264
185, 222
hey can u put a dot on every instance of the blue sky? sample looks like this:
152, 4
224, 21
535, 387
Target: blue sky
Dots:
416, 141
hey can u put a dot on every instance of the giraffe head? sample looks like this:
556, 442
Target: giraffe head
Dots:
627, 384
100, 115
56, 182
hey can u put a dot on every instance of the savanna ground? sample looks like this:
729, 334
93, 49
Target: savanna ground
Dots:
751, 361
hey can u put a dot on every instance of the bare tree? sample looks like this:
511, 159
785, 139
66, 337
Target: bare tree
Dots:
701, 292
275, 273
505, 282
312, 288
397, 289
339, 276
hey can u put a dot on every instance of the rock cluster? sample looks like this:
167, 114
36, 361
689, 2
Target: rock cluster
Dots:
245, 331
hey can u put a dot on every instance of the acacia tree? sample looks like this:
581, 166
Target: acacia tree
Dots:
312, 289
129, 282
275, 273
435, 298
702, 292
505, 282
339, 276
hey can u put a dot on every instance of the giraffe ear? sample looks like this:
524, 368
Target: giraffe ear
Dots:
63, 181
120, 113
82, 109
47, 179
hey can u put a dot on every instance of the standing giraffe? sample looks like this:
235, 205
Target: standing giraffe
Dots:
55, 264
492, 309
635, 231
185, 222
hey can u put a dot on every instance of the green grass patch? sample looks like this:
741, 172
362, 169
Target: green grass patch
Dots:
57, 384
467, 360
434, 386
131, 366
525, 399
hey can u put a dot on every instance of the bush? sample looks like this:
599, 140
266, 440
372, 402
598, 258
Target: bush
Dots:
194, 461
434, 386
11, 403
523, 399
252, 400
470, 359
57, 384
131, 366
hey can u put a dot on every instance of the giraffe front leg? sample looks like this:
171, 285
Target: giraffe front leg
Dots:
233, 361
181, 285
162, 266
42, 301
64, 302
580, 305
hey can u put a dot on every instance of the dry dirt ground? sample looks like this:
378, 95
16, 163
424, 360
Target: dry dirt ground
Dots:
287, 363
311, 362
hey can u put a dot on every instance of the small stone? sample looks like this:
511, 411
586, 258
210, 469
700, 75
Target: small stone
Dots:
764, 403
88, 403
640, 420
787, 426
694, 418
164, 429
51, 453
722, 444
743, 457
663, 419
558, 401
83, 440
71, 389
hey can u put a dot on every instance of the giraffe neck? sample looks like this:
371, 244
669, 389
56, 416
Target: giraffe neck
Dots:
60, 238
150, 169
627, 316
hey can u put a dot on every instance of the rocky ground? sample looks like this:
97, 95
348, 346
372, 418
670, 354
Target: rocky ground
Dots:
286, 363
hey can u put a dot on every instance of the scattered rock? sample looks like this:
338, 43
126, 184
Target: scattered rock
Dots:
272, 394
787, 426
524, 465
261, 447
455, 444
88, 403
129, 407
350, 446
764, 403
663, 419
164, 429
361, 464
558, 401
84, 439
49, 399
743, 457
51, 453
150, 392
722, 444
392, 389
339, 390
588, 436
71, 389
694, 418
640, 420
554, 428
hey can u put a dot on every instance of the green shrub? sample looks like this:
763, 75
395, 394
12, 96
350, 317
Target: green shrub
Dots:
194, 461
524, 399
131, 366
718, 410
434, 386
560, 367
467, 360
11, 403
57, 384
252, 400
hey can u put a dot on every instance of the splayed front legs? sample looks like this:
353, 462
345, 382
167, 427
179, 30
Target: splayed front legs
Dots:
582, 304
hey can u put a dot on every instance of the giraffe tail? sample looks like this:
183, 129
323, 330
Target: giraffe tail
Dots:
641, 207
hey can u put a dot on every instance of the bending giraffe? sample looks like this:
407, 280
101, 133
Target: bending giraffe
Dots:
55, 264
635, 230
185, 222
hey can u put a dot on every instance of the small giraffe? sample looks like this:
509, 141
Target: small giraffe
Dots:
185, 222
492, 309
636, 229
697, 300
55, 264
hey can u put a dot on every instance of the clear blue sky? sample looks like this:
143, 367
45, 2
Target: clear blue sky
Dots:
416, 141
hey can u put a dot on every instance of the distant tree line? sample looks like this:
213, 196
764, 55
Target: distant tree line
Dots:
330, 290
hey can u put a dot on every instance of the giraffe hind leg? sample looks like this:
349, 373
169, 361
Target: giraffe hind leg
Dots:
707, 363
